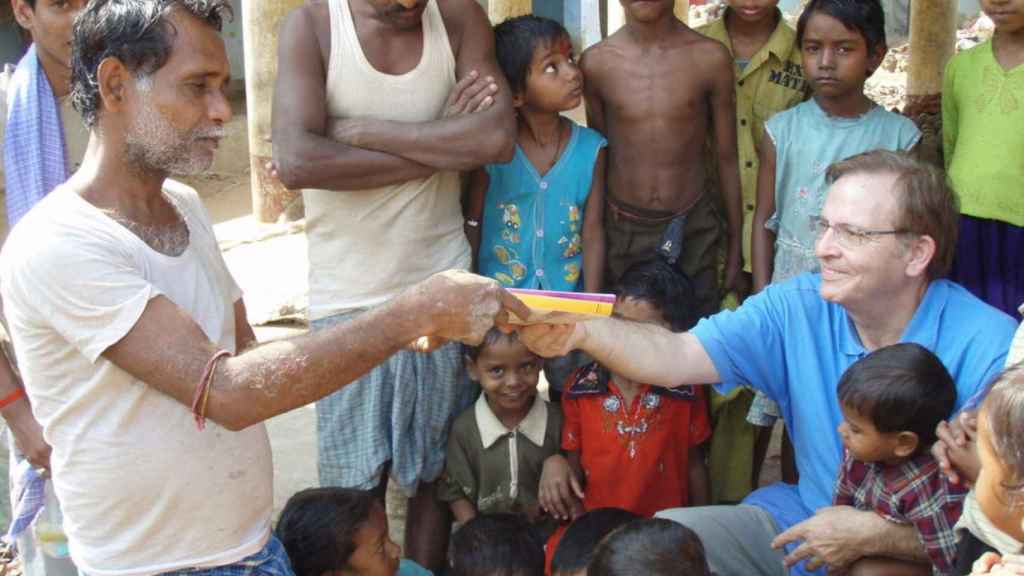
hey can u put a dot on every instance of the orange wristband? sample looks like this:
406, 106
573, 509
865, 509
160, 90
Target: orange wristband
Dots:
10, 398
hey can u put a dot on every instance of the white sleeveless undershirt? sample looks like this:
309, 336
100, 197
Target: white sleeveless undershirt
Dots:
366, 246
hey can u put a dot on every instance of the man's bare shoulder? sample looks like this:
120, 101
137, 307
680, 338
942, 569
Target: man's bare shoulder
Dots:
462, 16
313, 17
310, 16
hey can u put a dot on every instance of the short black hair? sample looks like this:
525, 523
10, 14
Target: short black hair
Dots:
663, 286
652, 547
318, 527
581, 537
139, 33
492, 337
515, 41
900, 388
865, 16
495, 545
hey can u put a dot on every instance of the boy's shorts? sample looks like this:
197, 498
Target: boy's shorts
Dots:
635, 234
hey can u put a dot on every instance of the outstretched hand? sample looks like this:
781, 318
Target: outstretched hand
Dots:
463, 307
551, 340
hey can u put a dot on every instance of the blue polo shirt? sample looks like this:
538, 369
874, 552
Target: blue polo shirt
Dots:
793, 345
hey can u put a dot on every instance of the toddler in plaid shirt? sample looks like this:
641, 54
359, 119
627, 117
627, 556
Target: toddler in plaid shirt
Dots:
892, 400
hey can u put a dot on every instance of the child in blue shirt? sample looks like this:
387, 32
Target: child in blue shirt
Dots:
538, 221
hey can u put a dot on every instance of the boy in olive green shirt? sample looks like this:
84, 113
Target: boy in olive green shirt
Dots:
769, 79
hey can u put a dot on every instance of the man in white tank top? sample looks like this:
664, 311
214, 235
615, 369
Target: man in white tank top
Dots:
125, 317
371, 123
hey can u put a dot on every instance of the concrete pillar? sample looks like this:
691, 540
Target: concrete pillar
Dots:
932, 44
498, 10
617, 18
260, 23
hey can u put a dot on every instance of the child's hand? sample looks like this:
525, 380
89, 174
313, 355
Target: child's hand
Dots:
560, 491
955, 448
1012, 564
992, 564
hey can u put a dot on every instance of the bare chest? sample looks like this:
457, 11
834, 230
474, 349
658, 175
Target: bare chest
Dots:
648, 90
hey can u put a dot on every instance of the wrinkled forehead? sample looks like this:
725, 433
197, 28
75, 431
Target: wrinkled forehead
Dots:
863, 199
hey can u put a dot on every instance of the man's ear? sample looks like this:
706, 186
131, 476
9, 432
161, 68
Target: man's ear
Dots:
112, 78
23, 14
906, 444
921, 252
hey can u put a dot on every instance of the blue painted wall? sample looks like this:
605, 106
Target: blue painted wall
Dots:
554, 9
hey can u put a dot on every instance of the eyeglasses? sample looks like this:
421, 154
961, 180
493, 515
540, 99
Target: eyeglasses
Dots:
846, 235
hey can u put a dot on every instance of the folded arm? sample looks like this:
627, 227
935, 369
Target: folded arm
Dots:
304, 153
460, 142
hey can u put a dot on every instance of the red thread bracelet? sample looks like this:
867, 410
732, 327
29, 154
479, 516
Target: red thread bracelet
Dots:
11, 398
204, 382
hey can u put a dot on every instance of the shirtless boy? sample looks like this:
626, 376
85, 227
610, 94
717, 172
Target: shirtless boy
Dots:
655, 88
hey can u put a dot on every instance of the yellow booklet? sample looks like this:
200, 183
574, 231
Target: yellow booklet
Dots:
550, 307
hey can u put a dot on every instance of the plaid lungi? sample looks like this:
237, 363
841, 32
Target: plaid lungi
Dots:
397, 415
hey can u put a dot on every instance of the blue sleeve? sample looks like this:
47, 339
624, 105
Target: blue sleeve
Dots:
991, 361
746, 345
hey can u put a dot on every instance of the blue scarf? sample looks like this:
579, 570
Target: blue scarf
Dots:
35, 160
